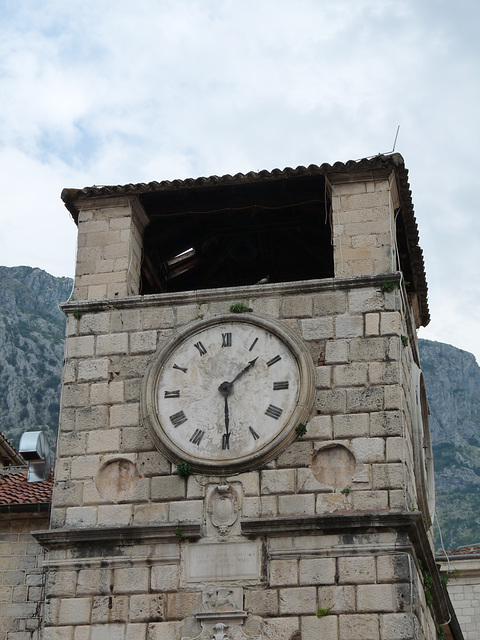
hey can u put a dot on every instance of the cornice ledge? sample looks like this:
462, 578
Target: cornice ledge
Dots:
411, 523
229, 294
57, 538
329, 523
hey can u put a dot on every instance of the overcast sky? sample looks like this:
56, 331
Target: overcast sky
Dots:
112, 92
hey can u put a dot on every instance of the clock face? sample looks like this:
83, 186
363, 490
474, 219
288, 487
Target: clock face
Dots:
228, 392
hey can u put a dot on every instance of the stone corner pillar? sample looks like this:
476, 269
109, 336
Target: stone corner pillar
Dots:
363, 212
110, 246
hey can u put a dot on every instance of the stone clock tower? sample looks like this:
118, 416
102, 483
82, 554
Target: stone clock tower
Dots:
244, 448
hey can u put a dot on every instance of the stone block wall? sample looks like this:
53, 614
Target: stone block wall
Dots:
109, 252
465, 596
364, 226
360, 417
110, 478
346, 586
346, 591
21, 575
323, 540
117, 598
464, 590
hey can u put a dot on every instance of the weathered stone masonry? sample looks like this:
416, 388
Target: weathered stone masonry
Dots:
21, 575
325, 539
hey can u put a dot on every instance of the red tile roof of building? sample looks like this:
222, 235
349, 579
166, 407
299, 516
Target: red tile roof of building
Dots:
472, 549
15, 489
7, 449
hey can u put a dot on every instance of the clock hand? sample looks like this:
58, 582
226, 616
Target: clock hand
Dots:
249, 366
226, 389
226, 435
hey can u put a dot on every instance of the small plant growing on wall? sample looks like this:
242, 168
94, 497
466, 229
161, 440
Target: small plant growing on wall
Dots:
388, 286
323, 612
239, 307
301, 429
427, 583
449, 575
184, 469
404, 341
178, 530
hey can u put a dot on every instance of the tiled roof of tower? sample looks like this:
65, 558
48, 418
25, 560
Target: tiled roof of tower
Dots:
15, 489
97, 191
73, 198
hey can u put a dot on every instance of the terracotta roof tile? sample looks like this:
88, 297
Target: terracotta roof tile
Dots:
69, 196
73, 198
473, 549
7, 447
15, 489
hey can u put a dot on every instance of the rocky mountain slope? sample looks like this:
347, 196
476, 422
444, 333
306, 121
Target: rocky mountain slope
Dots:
452, 379
32, 330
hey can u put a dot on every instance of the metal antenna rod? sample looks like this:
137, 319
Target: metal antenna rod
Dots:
396, 136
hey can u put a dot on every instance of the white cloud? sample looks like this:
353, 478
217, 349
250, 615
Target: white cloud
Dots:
35, 228
116, 92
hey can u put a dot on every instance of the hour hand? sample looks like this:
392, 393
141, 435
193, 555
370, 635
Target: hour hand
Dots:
249, 366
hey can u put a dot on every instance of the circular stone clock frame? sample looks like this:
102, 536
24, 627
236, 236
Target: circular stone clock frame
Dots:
225, 394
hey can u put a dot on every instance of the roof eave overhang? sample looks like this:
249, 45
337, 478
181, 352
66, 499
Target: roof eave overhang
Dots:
24, 507
340, 171
73, 198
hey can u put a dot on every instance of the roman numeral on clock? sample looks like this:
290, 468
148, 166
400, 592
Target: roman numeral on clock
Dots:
184, 369
226, 441
254, 433
201, 349
273, 360
226, 339
197, 436
178, 418
172, 394
282, 384
273, 411
253, 344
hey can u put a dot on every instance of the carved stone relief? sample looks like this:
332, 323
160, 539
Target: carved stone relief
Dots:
222, 616
223, 504
223, 627
222, 598
334, 466
117, 479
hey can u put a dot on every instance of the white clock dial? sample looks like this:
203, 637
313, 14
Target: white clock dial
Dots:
226, 392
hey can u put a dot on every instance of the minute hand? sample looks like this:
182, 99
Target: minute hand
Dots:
249, 366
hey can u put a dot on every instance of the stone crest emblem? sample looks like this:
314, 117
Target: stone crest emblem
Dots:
223, 507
